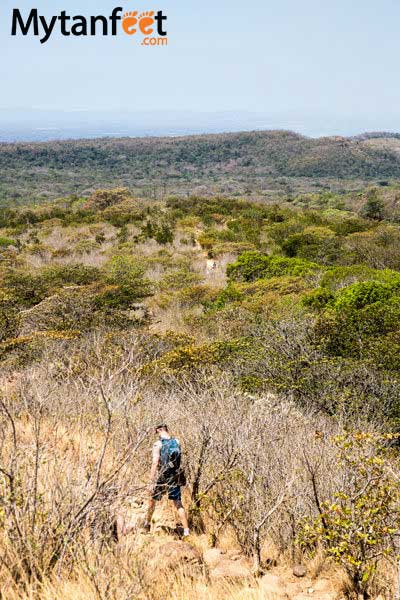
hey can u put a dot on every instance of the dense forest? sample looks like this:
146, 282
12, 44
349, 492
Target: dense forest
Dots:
267, 334
255, 164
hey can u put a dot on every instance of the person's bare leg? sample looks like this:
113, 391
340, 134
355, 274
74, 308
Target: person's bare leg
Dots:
121, 527
182, 514
150, 511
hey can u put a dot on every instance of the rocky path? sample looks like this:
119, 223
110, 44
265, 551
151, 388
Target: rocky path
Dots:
164, 553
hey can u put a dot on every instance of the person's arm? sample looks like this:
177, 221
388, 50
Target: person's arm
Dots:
154, 464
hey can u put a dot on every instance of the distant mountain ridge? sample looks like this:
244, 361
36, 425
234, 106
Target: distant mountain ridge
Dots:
255, 163
369, 135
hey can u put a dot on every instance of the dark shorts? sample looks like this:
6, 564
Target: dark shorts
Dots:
167, 487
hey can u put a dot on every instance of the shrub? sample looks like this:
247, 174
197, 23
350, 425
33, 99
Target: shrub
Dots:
9, 317
164, 235
318, 299
85, 247
379, 248
73, 274
185, 358
254, 265
122, 234
5, 242
229, 294
346, 226
127, 275
339, 277
100, 238
70, 309
384, 351
374, 207
177, 280
362, 294
314, 243
101, 199
348, 326
127, 211
282, 230
83, 308
357, 526
197, 295
26, 289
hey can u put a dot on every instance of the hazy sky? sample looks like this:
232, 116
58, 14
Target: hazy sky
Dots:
311, 57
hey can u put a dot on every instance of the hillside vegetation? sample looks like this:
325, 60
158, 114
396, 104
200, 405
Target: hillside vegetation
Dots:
266, 335
257, 164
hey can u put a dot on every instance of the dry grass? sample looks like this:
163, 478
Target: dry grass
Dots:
81, 588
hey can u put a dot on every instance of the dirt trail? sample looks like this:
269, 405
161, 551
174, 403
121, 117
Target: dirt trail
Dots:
164, 551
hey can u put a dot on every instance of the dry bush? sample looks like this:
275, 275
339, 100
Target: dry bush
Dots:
64, 470
75, 443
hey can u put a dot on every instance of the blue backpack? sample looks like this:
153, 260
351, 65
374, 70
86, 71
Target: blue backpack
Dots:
170, 456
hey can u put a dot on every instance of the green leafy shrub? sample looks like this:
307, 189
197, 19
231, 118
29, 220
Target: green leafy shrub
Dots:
379, 247
123, 213
348, 225
69, 309
83, 308
374, 207
126, 278
164, 235
260, 294
318, 299
384, 351
100, 238
5, 242
196, 295
179, 279
26, 289
254, 265
85, 247
185, 358
350, 322
317, 243
359, 295
334, 278
281, 230
231, 293
70, 274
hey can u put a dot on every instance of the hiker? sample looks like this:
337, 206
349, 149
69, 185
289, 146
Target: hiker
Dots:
211, 265
166, 476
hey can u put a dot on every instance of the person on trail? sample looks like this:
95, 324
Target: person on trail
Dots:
166, 476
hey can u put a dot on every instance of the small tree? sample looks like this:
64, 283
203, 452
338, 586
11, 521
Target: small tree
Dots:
101, 199
357, 526
374, 207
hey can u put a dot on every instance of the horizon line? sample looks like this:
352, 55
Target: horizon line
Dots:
122, 136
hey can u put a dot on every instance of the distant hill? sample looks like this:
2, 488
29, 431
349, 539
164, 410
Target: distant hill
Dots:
368, 135
254, 163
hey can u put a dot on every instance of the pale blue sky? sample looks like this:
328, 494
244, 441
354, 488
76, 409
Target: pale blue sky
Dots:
289, 58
